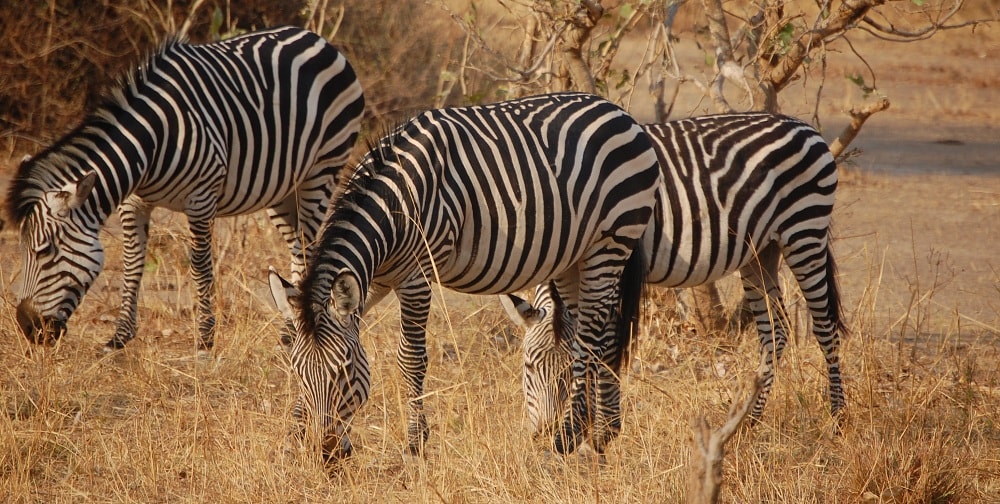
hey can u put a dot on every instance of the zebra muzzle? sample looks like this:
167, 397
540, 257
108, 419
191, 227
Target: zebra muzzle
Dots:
38, 329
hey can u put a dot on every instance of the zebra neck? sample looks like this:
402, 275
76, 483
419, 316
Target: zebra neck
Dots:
369, 233
119, 155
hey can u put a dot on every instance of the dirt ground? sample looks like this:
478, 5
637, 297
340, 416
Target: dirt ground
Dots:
918, 210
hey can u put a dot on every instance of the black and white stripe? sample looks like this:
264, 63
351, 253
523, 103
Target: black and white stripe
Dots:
740, 192
484, 200
259, 121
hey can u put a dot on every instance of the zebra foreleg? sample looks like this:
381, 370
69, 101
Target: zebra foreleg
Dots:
200, 256
411, 356
286, 218
593, 392
134, 215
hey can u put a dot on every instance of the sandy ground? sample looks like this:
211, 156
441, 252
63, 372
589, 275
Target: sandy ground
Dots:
917, 220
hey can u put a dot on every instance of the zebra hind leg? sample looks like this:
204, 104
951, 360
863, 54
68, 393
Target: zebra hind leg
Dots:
763, 296
823, 298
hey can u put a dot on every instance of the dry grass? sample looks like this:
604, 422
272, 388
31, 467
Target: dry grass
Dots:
154, 423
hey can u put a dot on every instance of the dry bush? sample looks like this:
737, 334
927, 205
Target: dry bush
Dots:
58, 59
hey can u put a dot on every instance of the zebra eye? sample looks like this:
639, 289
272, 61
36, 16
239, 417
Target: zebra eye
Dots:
45, 249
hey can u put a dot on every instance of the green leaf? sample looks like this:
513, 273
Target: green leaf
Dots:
859, 81
786, 34
918, 3
216, 24
626, 10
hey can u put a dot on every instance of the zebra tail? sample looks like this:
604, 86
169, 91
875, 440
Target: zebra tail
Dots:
833, 293
633, 294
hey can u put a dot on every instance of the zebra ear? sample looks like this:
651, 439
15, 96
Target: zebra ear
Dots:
72, 195
520, 311
283, 292
83, 188
85, 185
346, 293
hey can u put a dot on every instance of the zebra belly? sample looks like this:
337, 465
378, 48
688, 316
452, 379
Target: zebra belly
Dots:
239, 199
504, 259
675, 261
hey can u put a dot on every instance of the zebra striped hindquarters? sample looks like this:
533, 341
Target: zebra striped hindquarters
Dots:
740, 192
260, 121
484, 200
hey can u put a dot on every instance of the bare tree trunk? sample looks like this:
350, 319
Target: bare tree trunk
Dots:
584, 20
723, 52
706, 309
527, 53
707, 306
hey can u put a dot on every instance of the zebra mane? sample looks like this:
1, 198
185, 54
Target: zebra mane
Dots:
351, 191
43, 172
380, 151
118, 95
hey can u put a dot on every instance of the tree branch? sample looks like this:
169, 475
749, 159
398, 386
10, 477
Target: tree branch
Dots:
705, 477
849, 13
858, 118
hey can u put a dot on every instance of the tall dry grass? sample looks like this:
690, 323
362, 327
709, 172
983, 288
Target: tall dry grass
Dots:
154, 423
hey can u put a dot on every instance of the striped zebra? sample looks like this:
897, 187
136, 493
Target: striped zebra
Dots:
740, 192
263, 120
483, 200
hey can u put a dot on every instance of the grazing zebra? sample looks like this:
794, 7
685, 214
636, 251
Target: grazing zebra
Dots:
262, 120
740, 191
483, 200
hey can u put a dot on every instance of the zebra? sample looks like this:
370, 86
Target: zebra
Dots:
484, 200
262, 120
740, 192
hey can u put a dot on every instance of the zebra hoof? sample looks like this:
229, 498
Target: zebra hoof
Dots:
110, 348
565, 442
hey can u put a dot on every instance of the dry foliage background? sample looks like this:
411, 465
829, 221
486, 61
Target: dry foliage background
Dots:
155, 424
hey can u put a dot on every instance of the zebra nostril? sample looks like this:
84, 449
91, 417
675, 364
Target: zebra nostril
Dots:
337, 449
38, 329
29, 320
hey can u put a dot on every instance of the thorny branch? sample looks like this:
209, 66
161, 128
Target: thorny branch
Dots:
858, 118
708, 448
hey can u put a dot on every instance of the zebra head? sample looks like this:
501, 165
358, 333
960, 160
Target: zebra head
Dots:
331, 365
61, 255
547, 355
